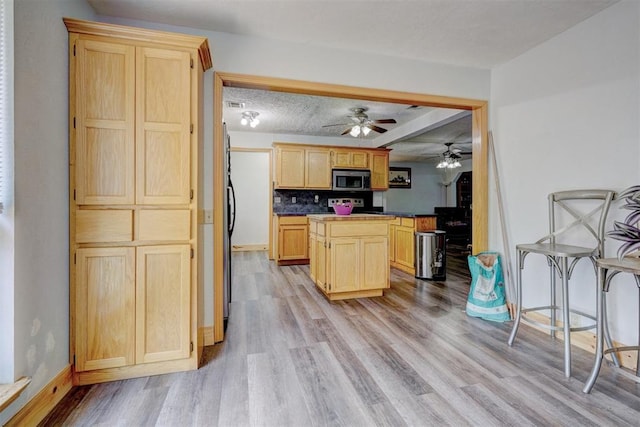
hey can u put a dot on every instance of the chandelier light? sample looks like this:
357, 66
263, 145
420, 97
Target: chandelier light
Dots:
250, 118
449, 163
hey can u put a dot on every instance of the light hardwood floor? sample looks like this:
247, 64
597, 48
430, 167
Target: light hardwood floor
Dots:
412, 357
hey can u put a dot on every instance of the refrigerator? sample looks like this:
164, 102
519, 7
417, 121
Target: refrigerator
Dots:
229, 220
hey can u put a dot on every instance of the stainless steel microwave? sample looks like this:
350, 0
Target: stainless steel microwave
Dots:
351, 180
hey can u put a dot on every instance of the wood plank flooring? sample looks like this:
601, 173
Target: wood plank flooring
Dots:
409, 358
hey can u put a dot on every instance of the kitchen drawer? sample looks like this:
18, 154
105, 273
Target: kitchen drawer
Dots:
359, 229
292, 220
396, 221
407, 222
104, 226
170, 224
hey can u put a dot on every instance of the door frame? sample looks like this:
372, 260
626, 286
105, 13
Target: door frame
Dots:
479, 145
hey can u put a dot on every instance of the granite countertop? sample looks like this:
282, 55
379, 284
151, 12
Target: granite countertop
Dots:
299, 213
404, 214
352, 217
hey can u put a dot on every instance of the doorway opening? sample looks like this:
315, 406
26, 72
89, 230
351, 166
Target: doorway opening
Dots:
478, 108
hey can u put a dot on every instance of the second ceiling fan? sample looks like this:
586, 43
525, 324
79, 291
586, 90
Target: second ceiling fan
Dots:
362, 124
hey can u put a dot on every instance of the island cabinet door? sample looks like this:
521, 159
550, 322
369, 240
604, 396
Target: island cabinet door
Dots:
375, 267
345, 255
320, 259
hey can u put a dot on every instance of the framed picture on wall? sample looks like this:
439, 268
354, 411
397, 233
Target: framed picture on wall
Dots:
399, 177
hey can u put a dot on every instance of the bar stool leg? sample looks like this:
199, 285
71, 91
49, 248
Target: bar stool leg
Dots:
516, 321
565, 317
600, 307
552, 298
606, 332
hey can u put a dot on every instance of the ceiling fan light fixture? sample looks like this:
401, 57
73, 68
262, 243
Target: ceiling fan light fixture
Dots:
355, 131
250, 118
366, 130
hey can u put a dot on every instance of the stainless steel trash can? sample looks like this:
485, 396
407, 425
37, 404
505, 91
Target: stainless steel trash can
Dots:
430, 255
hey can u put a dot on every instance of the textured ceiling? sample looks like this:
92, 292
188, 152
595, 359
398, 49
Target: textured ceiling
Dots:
288, 113
475, 33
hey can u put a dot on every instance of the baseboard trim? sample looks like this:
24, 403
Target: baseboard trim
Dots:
248, 248
584, 340
44, 401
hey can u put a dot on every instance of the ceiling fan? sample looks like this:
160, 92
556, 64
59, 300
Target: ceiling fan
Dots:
362, 124
451, 157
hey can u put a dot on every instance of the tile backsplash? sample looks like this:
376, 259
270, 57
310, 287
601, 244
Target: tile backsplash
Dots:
305, 200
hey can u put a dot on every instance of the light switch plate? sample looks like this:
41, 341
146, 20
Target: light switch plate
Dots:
208, 216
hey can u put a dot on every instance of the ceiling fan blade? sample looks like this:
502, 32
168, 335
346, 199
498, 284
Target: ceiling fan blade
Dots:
337, 124
346, 131
384, 121
376, 128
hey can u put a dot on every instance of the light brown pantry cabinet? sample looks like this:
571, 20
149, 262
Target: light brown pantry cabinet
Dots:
135, 100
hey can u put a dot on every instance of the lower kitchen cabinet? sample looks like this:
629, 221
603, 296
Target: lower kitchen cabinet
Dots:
292, 240
132, 306
402, 240
350, 259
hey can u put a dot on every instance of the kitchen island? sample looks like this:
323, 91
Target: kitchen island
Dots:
349, 254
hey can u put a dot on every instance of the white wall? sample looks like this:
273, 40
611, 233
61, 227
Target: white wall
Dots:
565, 116
41, 159
250, 174
426, 190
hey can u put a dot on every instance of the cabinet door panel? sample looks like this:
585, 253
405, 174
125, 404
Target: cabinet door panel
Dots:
105, 308
404, 246
162, 303
293, 242
318, 169
380, 171
375, 268
345, 257
290, 167
104, 133
163, 82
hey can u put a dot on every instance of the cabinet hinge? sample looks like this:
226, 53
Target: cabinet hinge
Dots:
74, 54
191, 128
192, 253
191, 346
191, 63
329, 286
74, 194
74, 122
329, 245
74, 360
191, 195
74, 258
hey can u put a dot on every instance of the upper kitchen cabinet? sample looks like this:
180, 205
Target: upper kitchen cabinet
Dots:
299, 166
309, 166
379, 170
350, 159
136, 138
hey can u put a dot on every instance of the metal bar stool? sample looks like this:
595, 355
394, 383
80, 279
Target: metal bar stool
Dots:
562, 259
608, 268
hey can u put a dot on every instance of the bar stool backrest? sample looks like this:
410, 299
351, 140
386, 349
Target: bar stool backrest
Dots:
567, 202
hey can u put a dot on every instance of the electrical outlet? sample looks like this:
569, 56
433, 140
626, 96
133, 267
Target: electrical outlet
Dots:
208, 216
277, 199
294, 199
316, 198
